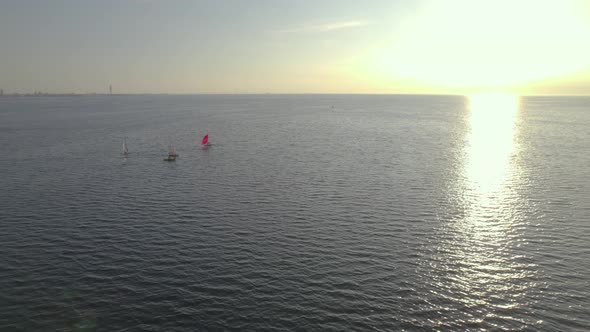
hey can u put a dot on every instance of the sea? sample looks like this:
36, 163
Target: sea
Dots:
306, 212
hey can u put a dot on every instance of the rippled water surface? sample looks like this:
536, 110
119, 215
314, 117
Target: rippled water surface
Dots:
307, 213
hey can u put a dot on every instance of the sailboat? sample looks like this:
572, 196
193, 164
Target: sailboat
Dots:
171, 154
205, 141
125, 149
172, 151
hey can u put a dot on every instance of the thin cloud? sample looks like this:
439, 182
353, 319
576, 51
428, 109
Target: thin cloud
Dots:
326, 27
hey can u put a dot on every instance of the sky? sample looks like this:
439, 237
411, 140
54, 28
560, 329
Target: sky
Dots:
295, 46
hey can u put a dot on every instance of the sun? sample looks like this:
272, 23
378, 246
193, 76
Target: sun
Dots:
470, 45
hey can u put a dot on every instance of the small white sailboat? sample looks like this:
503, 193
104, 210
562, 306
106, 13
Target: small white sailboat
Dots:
125, 149
172, 151
171, 154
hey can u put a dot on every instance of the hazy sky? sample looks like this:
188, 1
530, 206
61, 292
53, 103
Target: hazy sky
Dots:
249, 46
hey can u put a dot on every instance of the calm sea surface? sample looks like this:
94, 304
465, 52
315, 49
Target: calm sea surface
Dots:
319, 212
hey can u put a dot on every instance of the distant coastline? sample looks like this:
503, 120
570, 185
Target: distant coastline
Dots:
42, 94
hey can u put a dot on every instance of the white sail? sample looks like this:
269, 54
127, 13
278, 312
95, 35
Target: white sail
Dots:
125, 149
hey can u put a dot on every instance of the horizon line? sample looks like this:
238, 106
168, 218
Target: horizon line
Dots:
65, 94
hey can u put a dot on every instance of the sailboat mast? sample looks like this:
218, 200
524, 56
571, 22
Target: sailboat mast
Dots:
125, 150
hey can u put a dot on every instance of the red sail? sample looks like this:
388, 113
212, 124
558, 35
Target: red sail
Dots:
205, 139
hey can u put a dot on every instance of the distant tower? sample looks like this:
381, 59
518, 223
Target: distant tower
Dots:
110, 89
1, 92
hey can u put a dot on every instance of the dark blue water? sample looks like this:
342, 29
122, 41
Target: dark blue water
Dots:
319, 212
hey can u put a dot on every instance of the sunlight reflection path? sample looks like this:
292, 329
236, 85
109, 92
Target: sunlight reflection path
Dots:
476, 267
490, 278
489, 198
491, 144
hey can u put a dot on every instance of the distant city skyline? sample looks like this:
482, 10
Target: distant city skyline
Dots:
188, 47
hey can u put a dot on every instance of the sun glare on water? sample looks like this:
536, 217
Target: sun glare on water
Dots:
492, 117
490, 202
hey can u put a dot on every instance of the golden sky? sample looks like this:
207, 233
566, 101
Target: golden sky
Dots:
182, 46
